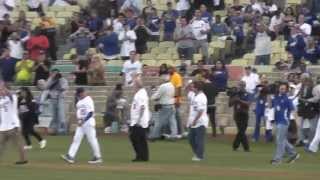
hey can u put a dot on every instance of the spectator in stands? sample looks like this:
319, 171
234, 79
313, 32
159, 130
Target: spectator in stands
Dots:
200, 70
81, 71
16, 45
263, 46
24, 70
148, 11
143, 34
22, 21
183, 37
219, 76
289, 21
7, 66
296, 46
135, 5
127, 38
118, 24
236, 6
37, 43
41, 68
254, 7
177, 81
218, 5
182, 7
276, 24
57, 85
109, 44
200, 29
7, 28
6, 7
169, 18
305, 28
312, 52
131, 68
81, 40
269, 8
75, 22
219, 28
60, 2
94, 23
207, 17
48, 26
153, 23
96, 71
131, 20
35, 5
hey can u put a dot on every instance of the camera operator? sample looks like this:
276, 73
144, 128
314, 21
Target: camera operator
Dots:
57, 85
240, 100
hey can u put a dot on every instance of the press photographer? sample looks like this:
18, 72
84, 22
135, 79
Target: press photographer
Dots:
57, 85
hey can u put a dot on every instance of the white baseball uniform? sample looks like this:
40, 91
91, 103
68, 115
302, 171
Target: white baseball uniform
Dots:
314, 145
84, 107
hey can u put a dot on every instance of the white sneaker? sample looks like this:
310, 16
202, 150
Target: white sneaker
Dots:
124, 129
67, 158
195, 158
27, 147
107, 130
95, 160
43, 144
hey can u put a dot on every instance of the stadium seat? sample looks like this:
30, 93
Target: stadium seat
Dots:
164, 56
57, 8
293, 2
239, 62
60, 21
167, 44
115, 62
222, 13
197, 57
149, 62
73, 8
152, 45
51, 14
148, 56
32, 15
66, 14
175, 56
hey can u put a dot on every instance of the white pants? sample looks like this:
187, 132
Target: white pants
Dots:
314, 145
90, 132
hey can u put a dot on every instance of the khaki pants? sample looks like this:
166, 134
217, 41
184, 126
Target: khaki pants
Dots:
14, 136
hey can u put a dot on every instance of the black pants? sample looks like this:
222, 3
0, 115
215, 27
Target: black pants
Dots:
27, 130
241, 120
138, 138
52, 50
212, 117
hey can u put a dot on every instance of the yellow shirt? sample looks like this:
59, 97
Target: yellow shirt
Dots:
176, 80
24, 70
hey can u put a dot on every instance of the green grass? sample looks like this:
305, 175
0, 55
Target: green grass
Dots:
169, 161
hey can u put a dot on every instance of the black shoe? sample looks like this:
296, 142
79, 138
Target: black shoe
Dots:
21, 162
293, 158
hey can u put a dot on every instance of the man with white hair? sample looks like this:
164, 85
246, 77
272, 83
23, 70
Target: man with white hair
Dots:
165, 96
139, 121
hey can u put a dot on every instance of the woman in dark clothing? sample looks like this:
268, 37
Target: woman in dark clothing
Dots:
41, 68
163, 69
142, 33
219, 76
29, 117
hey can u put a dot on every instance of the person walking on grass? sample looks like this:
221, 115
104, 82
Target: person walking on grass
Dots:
139, 122
283, 106
86, 127
29, 117
10, 124
198, 120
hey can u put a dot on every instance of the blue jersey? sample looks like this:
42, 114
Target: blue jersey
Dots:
282, 108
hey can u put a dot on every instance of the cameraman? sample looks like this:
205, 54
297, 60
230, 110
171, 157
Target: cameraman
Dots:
57, 85
240, 100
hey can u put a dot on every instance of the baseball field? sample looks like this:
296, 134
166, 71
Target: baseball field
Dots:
169, 161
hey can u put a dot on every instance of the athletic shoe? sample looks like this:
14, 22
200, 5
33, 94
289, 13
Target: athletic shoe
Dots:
275, 162
68, 159
124, 129
43, 144
196, 159
293, 158
21, 162
27, 147
95, 160
107, 130
307, 150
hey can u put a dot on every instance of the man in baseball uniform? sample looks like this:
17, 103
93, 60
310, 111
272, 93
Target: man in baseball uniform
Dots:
86, 127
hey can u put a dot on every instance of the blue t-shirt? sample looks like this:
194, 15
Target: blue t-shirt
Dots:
169, 20
7, 66
110, 44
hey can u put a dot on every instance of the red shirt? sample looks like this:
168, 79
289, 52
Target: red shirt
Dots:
36, 44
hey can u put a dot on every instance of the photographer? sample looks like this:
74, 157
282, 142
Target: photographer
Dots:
240, 100
81, 40
57, 85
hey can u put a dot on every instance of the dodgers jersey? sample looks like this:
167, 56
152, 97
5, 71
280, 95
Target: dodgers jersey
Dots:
9, 113
84, 107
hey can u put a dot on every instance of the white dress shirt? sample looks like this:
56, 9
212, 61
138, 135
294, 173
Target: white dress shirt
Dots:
198, 103
251, 82
275, 22
140, 102
128, 42
84, 107
165, 94
16, 48
9, 113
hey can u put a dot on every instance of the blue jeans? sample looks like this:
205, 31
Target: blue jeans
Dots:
196, 140
167, 115
256, 134
58, 122
262, 60
282, 144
